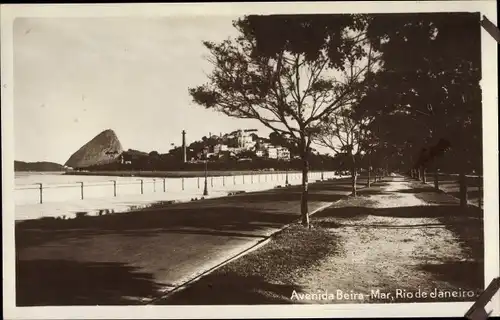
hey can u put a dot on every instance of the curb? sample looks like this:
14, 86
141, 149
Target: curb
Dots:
254, 247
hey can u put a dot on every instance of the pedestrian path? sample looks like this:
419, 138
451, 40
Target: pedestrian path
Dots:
402, 237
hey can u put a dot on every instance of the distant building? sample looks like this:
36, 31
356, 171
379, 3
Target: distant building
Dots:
245, 140
283, 153
272, 153
280, 153
220, 148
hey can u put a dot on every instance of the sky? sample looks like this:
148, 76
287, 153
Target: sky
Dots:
76, 77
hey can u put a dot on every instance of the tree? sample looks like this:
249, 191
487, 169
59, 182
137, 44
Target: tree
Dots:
346, 132
441, 90
288, 72
247, 154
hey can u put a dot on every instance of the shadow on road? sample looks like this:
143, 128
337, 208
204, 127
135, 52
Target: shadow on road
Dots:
76, 283
230, 288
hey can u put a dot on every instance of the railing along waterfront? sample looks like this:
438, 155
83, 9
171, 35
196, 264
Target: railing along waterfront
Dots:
110, 187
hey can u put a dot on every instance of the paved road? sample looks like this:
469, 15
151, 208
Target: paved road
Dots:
134, 257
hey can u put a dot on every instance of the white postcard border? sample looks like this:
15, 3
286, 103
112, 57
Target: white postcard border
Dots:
490, 133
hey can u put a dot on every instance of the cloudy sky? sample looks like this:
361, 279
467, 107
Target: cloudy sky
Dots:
75, 77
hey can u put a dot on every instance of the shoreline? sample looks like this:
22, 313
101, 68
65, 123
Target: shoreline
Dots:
182, 174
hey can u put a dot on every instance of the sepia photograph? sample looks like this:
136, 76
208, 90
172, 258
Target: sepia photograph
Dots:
248, 157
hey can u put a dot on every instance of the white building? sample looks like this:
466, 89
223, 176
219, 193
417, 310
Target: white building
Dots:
272, 153
220, 148
280, 153
283, 153
245, 141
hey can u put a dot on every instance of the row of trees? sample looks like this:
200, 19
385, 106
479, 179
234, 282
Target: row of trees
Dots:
382, 88
154, 161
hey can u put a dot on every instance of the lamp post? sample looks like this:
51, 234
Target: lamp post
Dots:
81, 189
322, 170
205, 189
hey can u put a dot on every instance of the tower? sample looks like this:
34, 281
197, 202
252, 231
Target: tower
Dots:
184, 155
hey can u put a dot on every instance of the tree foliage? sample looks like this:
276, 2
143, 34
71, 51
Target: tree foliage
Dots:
288, 72
429, 88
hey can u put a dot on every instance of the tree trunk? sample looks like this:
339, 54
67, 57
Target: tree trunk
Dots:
436, 179
463, 189
369, 171
353, 178
369, 178
424, 178
304, 210
418, 174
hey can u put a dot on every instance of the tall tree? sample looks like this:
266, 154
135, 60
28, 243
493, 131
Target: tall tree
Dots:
288, 72
431, 77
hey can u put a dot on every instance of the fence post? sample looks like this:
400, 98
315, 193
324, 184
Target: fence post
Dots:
164, 185
114, 188
212, 181
251, 178
198, 182
81, 189
142, 186
234, 180
154, 185
41, 192
223, 181
243, 175
183, 184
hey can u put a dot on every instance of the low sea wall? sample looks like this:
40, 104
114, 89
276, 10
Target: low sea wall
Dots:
50, 193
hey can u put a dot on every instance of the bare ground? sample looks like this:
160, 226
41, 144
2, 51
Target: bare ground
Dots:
399, 243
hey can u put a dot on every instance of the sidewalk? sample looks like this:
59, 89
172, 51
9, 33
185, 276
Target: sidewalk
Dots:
390, 244
134, 257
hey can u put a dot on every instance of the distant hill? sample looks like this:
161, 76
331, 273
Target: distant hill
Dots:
37, 166
105, 148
